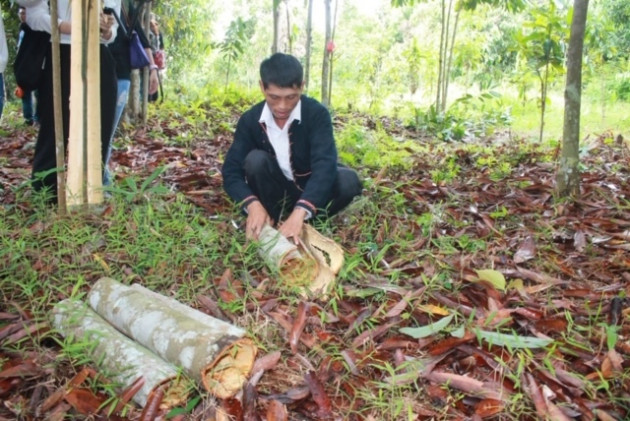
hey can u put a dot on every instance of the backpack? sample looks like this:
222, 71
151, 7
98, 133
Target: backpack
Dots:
28, 66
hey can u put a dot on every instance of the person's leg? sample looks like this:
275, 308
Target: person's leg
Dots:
109, 87
121, 102
27, 107
35, 97
347, 187
44, 158
264, 176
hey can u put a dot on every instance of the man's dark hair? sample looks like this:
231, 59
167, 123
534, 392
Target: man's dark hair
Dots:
282, 70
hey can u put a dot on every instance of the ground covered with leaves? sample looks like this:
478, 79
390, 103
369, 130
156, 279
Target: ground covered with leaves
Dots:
468, 290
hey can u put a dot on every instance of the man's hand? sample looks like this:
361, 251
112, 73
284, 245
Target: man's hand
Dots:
154, 83
292, 227
257, 218
105, 25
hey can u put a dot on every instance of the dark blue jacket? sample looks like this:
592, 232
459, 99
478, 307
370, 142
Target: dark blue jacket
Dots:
313, 154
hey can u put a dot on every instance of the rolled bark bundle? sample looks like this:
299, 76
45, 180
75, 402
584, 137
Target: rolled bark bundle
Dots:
313, 265
123, 360
209, 350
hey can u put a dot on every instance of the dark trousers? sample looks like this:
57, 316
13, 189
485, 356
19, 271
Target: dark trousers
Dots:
279, 195
44, 159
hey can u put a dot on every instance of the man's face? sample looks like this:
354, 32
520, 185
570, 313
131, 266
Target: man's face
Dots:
281, 101
22, 15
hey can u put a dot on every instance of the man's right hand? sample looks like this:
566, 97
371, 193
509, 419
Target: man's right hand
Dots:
257, 218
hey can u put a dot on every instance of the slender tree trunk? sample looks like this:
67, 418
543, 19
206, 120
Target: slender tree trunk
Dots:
289, 40
84, 144
276, 26
447, 72
544, 80
58, 111
326, 63
227, 73
309, 43
444, 59
438, 99
332, 52
568, 178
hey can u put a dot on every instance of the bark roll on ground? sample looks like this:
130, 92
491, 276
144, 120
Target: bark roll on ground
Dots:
312, 265
211, 351
122, 359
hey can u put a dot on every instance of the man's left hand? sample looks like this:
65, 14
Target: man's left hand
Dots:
292, 227
154, 82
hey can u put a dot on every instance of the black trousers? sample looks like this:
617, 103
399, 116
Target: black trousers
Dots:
44, 159
279, 195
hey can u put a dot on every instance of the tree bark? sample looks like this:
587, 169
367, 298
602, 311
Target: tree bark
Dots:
438, 99
568, 177
85, 179
209, 350
332, 52
447, 71
311, 267
276, 27
122, 359
288, 15
309, 43
326, 63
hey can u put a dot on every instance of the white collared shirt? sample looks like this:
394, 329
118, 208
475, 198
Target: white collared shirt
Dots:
38, 16
279, 138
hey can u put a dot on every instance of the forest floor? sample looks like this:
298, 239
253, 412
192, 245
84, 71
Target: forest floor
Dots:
469, 291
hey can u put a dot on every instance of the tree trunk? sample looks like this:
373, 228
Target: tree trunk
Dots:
123, 360
544, 82
568, 177
309, 42
444, 73
332, 52
209, 350
57, 109
134, 104
289, 40
326, 63
85, 179
276, 27
438, 99
447, 71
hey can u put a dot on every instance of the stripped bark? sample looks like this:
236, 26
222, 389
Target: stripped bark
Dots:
123, 359
60, 149
84, 184
211, 351
313, 265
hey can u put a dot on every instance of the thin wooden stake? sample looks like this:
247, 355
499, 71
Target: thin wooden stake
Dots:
58, 112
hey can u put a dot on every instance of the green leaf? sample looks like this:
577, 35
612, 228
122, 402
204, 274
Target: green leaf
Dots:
512, 340
459, 332
428, 330
494, 277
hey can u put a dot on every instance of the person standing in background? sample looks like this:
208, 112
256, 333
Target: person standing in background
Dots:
29, 113
120, 51
157, 45
4, 59
38, 18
